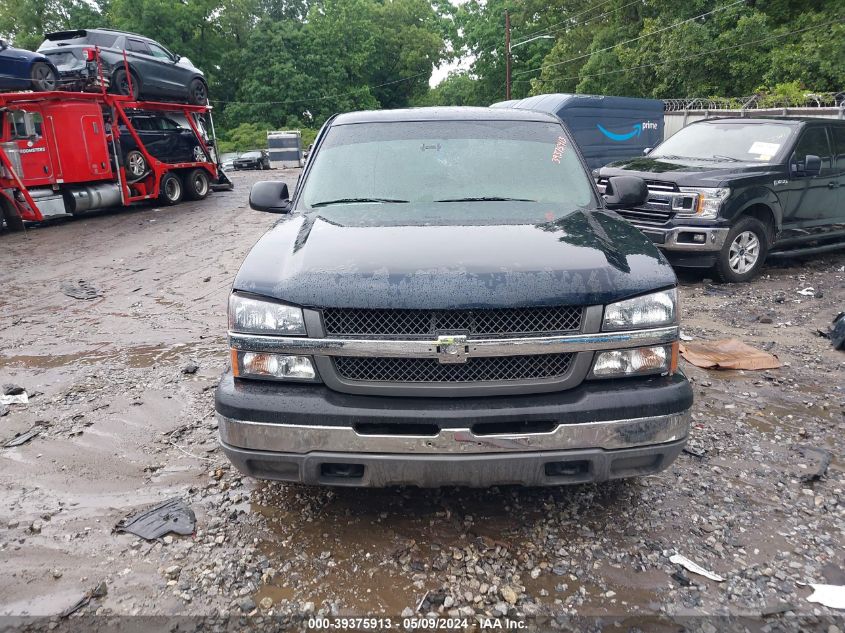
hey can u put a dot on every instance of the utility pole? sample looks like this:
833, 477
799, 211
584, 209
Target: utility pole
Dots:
507, 55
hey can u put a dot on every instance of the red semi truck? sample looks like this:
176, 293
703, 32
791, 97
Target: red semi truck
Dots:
65, 153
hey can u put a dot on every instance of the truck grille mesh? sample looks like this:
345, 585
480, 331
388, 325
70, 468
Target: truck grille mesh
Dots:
417, 370
428, 323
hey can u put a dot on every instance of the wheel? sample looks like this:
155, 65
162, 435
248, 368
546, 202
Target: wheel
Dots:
136, 165
197, 92
43, 77
744, 251
171, 189
197, 184
14, 222
120, 83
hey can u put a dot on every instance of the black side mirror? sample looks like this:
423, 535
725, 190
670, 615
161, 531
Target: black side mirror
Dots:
812, 165
624, 192
271, 196
3, 45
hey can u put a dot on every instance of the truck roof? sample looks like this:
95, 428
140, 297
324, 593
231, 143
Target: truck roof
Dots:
768, 119
445, 113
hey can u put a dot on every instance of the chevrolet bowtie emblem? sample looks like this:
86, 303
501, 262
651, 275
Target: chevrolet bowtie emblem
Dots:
452, 349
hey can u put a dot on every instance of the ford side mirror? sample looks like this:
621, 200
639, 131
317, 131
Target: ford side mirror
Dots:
624, 192
271, 196
647, 150
812, 165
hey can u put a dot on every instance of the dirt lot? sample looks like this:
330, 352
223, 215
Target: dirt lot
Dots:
124, 427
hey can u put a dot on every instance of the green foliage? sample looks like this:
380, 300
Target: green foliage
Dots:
291, 64
652, 48
245, 136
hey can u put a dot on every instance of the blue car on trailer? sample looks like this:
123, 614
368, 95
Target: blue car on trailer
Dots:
606, 129
24, 70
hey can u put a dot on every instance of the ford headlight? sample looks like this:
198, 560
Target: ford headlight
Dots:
706, 204
257, 316
653, 310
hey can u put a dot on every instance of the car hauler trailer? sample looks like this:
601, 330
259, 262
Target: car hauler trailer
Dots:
65, 153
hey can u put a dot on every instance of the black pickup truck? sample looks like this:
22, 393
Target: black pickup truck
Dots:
727, 192
447, 300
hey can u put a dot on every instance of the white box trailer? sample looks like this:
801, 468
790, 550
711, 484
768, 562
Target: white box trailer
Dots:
285, 147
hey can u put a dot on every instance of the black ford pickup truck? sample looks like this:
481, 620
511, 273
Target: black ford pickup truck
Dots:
724, 193
447, 301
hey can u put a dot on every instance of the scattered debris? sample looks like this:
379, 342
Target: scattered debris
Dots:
728, 354
4, 410
837, 332
80, 289
682, 579
173, 515
97, 592
690, 566
685, 337
807, 292
190, 368
826, 457
776, 609
694, 451
11, 389
832, 596
23, 438
18, 398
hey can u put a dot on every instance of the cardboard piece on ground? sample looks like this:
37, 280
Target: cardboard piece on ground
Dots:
727, 354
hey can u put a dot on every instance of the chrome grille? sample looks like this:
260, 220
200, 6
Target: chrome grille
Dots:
430, 370
664, 200
354, 322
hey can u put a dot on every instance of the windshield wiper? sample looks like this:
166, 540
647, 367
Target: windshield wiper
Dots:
486, 199
326, 203
727, 158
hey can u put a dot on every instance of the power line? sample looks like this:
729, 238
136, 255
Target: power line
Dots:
644, 35
707, 52
595, 6
587, 21
324, 97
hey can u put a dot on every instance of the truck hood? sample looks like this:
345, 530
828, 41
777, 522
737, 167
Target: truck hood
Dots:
452, 255
685, 172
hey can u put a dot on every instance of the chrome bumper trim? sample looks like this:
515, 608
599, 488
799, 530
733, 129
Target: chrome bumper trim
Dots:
475, 348
301, 439
714, 237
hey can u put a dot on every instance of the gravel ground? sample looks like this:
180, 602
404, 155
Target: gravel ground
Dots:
123, 427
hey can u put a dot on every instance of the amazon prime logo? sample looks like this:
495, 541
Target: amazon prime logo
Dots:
636, 131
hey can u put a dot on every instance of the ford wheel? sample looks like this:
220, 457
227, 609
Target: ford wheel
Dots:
744, 251
124, 84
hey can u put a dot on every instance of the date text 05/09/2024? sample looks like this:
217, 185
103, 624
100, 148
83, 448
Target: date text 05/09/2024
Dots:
413, 623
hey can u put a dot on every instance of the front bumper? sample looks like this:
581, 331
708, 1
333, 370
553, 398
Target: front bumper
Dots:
598, 431
682, 238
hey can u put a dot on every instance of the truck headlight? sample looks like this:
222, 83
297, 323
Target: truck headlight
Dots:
636, 362
256, 316
653, 310
272, 366
707, 204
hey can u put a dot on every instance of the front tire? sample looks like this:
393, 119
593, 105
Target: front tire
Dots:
197, 184
43, 77
744, 251
171, 189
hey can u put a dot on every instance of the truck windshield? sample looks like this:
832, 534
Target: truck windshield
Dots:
447, 161
746, 142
